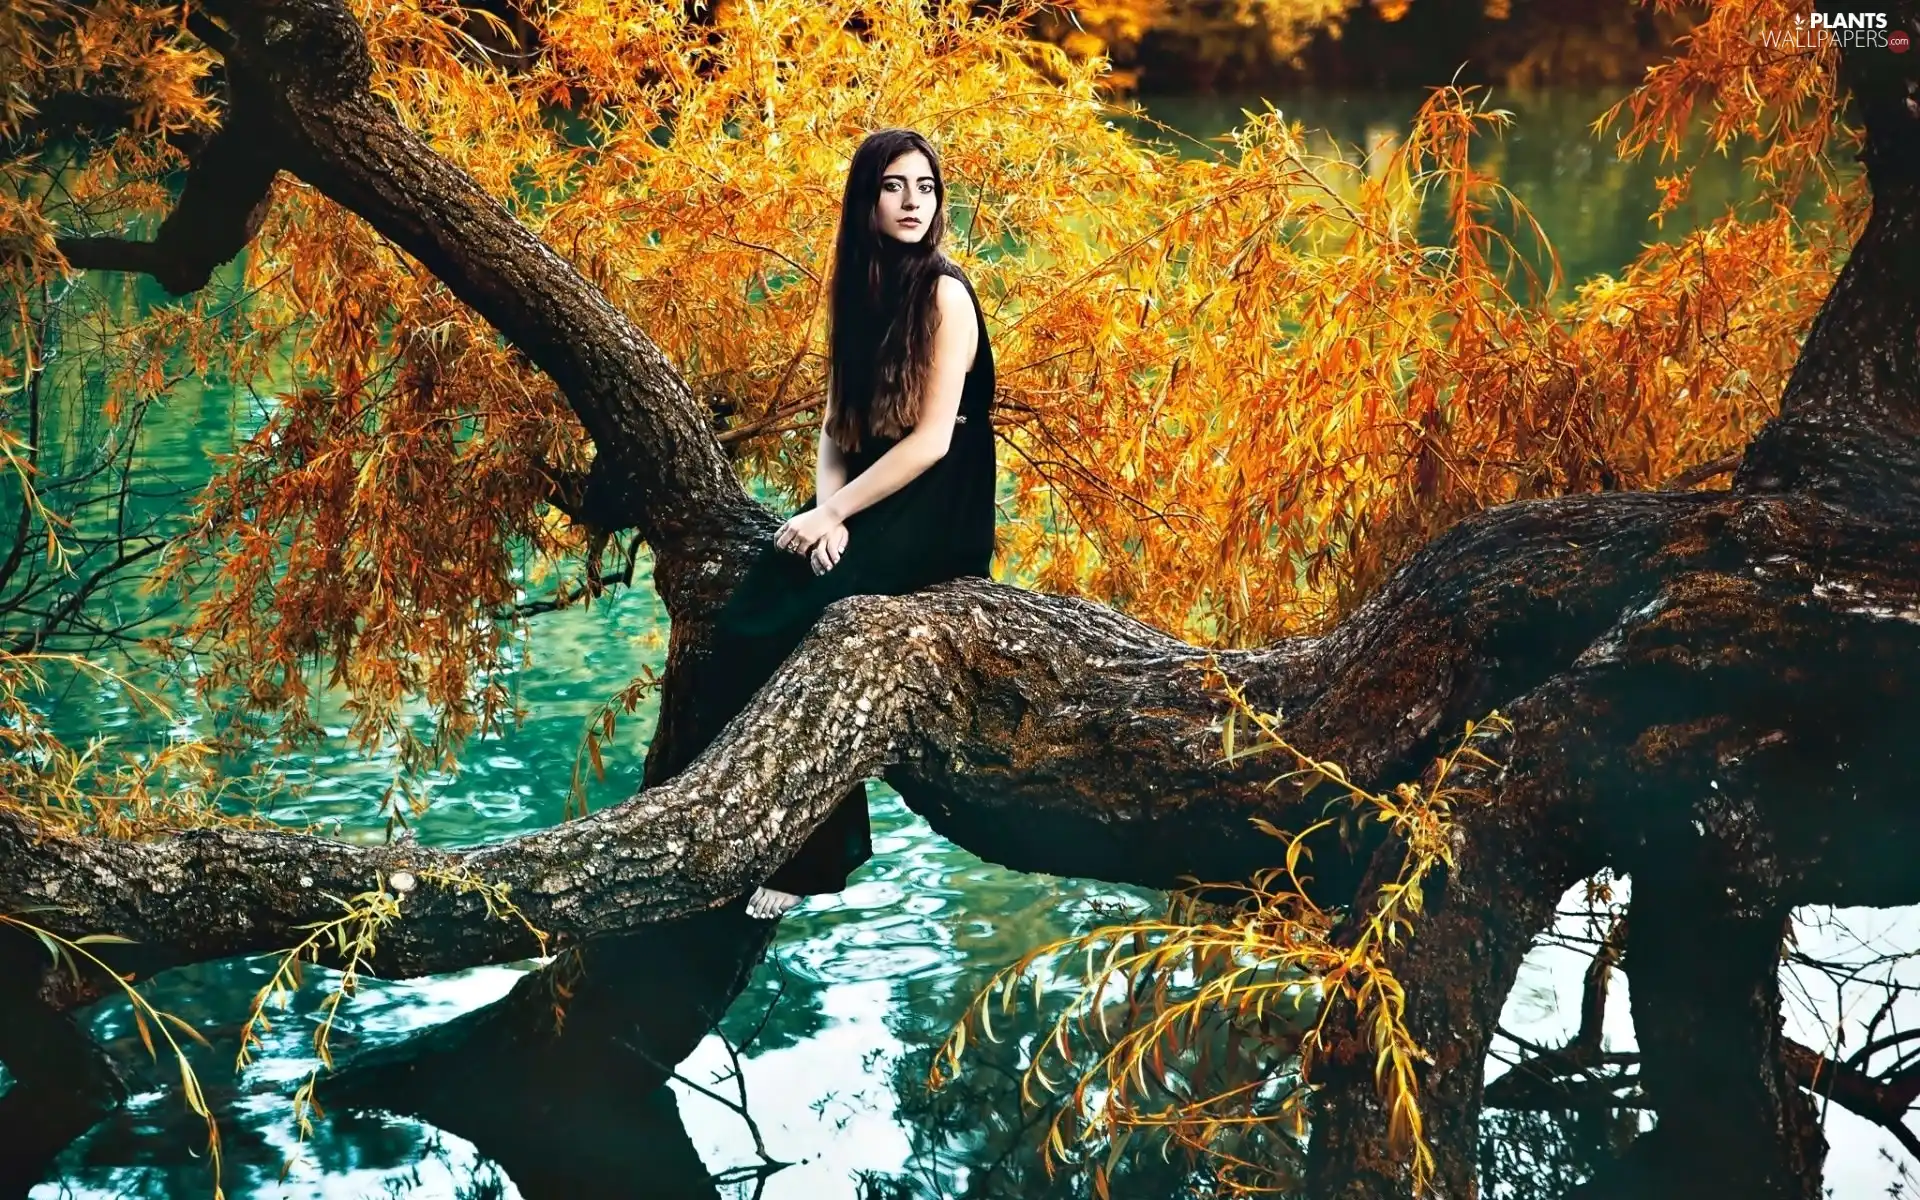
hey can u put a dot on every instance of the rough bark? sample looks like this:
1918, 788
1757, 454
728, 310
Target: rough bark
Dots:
1502, 891
1041, 732
1717, 683
1848, 427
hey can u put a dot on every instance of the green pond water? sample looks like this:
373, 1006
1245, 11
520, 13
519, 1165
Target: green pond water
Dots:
867, 981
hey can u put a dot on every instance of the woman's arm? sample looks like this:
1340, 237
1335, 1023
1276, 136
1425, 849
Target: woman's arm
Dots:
830, 466
954, 344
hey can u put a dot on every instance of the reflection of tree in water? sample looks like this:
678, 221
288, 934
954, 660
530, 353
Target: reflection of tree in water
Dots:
154, 1149
148, 1153
980, 1138
486, 1182
979, 1130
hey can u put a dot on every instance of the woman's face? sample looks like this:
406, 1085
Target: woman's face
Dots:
907, 199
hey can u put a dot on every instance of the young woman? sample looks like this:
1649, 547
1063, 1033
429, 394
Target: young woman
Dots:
904, 485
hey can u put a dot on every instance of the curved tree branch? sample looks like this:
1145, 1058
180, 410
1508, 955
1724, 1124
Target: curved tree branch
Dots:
996, 711
998, 714
1849, 423
219, 211
308, 59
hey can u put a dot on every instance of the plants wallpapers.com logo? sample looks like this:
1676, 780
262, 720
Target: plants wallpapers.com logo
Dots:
1839, 31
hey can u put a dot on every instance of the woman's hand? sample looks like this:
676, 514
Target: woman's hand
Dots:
827, 551
803, 530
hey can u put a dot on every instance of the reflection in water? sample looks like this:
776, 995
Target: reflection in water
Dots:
367, 1155
846, 1009
866, 983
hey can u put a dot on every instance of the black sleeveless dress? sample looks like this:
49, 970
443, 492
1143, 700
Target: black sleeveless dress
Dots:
937, 527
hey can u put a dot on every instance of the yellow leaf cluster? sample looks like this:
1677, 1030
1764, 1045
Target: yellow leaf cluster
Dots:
1159, 1005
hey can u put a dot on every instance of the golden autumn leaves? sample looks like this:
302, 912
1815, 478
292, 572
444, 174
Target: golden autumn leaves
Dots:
1236, 388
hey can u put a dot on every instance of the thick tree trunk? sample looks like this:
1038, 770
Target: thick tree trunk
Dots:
1524, 851
1724, 681
1706, 1010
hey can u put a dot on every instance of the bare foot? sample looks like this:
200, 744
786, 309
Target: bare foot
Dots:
768, 905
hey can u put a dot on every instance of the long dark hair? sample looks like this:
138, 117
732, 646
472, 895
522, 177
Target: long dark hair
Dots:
883, 314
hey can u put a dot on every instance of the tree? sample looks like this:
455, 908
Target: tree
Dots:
1703, 687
